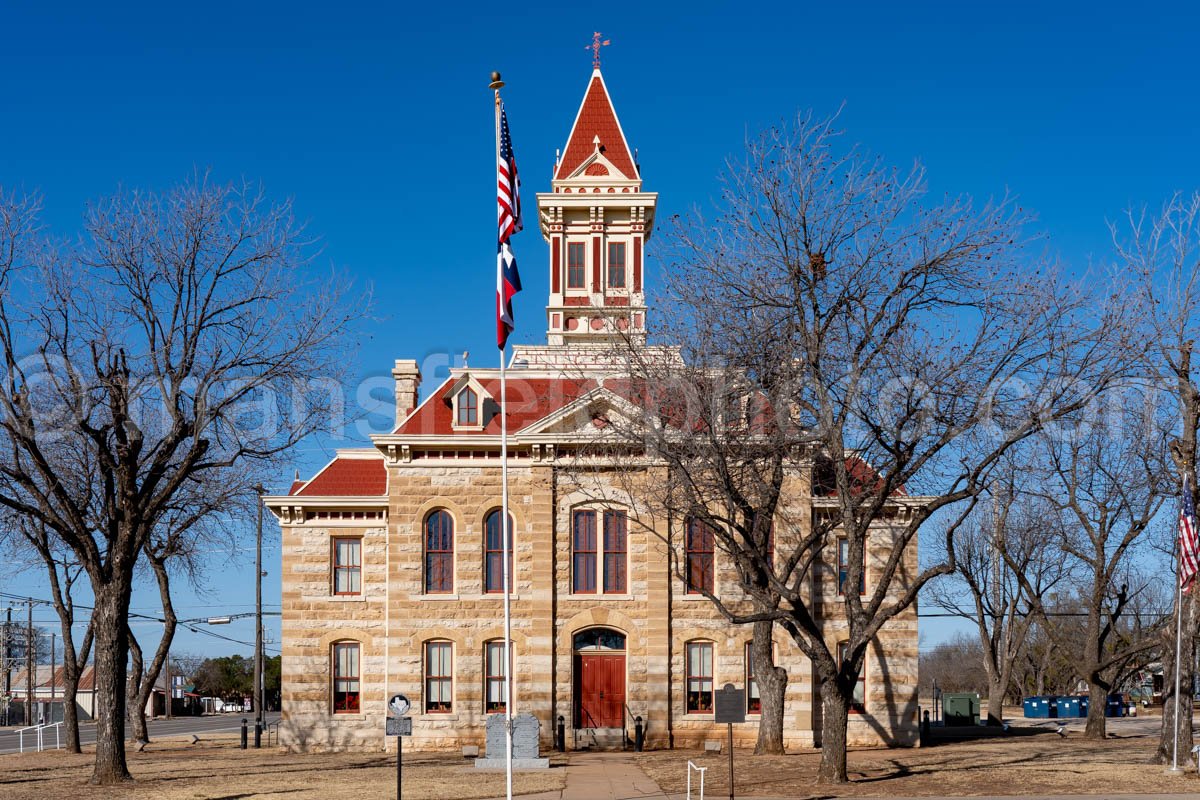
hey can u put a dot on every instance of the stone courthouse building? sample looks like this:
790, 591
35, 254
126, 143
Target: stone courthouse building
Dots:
393, 558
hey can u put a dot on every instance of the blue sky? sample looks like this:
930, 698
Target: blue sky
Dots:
376, 120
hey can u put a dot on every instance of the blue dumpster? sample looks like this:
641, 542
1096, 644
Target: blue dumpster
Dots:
1074, 707
1038, 707
1116, 706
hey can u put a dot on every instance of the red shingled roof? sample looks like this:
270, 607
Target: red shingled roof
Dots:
529, 400
596, 118
360, 477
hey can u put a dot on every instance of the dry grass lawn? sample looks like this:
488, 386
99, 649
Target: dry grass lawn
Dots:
216, 769
1018, 765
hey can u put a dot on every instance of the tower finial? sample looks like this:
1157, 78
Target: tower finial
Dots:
595, 48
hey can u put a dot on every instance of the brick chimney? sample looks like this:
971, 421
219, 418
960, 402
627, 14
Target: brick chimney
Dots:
408, 380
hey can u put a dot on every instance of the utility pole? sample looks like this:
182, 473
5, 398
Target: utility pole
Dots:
29, 663
258, 629
7, 655
53, 669
170, 693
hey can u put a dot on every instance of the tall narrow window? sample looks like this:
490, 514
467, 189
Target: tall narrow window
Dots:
439, 553
468, 407
699, 546
495, 697
439, 678
753, 698
583, 552
493, 556
859, 701
616, 537
616, 265
576, 265
699, 677
347, 566
844, 568
345, 678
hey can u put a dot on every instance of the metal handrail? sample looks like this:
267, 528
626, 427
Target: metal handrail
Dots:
274, 725
701, 770
20, 732
40, 736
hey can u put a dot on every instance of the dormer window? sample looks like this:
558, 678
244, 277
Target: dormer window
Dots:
467, 399
468, 407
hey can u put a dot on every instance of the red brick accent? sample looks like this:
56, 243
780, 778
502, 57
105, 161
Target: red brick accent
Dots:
555, 262
595, 263
577, 301
637, 263
616, 301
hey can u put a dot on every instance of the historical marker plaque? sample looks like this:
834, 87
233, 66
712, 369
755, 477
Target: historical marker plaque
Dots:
399, 726
729, 705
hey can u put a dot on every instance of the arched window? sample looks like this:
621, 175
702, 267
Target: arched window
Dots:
698, 683
495, 694
439, 553
439, 677
468, 407
345, 657
493, 553
698, 543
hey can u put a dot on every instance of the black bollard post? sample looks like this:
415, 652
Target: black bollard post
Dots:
639, 734
257, 734
562, 734
243, 733
925, 730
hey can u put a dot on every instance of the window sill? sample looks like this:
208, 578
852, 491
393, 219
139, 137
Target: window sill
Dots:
434, 715
686, 597
339, 598
498, 596
348, 715
599, 596
699, 716
438, 597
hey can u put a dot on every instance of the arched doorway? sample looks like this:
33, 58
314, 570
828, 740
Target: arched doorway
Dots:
599, 678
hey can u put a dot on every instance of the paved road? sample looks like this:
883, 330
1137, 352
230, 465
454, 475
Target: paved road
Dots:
180, 726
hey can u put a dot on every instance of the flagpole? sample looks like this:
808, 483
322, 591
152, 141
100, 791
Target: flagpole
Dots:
506, 554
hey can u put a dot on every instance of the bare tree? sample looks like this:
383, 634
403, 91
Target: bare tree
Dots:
1162, 252
165, 347
1106, 481
845, 348
1006, 561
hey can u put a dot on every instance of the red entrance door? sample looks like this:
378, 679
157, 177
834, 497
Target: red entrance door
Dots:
600, 687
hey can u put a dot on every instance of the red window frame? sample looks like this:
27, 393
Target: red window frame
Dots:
616, 265
349, 571
698, 686
753, 695
859, 704
493, 654
616, 552
346, 685
576, 265
439, 552
434, 676
468, 407
493, 547
583, 552
843, 555
698, 545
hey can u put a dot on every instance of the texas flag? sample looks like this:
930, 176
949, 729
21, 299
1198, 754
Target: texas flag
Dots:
508, 201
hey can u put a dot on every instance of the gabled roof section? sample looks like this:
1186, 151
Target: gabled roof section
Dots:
351, 474
530, 399
596, 119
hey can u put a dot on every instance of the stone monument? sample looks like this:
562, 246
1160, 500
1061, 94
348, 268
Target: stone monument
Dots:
525, 744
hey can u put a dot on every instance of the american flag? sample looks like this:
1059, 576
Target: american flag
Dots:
508, 202
1189, 544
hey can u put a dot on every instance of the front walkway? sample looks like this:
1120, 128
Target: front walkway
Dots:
607, 776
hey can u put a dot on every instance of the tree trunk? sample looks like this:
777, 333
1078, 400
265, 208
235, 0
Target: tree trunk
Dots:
772, 684
835, 716
1097, 705
1166, 739
112, 649
997, 686
140, 694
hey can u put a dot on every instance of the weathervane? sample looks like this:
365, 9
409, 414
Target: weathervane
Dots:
595, 48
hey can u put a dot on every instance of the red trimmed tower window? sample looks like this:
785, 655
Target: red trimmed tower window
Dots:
576, 265
616, 265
